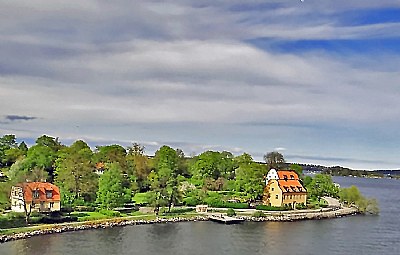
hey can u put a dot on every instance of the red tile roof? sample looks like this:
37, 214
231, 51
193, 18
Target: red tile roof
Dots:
41, 187
291, 186
287, 174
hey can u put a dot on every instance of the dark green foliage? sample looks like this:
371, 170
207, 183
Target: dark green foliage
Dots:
230, 212
271, 208
191, 201
223, 204
275, 160
12, 220
301, 206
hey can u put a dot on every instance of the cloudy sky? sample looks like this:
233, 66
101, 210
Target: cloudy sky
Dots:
317, 80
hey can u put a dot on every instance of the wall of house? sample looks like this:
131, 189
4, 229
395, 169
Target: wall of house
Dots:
272, 174
274, 194
17, 203
291, 199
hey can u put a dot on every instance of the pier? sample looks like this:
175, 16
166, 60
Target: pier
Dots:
225, 219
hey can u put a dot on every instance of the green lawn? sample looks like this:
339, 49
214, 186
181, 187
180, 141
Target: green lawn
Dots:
141, 198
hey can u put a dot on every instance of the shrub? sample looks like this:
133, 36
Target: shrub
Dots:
191, 201
301, 206
258, 214
270, 208
230, 212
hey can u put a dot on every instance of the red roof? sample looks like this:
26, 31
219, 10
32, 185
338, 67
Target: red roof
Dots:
291, 186
41, 188
287, 174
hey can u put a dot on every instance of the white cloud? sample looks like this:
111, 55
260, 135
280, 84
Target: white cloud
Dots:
182, 71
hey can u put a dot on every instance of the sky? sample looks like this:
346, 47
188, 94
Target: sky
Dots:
318, 81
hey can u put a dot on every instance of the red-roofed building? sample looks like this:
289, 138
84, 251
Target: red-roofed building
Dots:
286, 190
37, 196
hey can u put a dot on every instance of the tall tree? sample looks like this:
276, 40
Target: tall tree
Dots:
165, 178
212, 164
138, 168
111, 194
75, 172
249, 177
7, 142
275, 160
112, 154
322, 185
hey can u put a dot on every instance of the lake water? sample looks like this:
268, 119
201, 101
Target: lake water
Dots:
348, 235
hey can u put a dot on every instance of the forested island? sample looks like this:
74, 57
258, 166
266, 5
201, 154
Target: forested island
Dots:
111, 180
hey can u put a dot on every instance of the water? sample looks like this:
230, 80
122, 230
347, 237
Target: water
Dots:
349, 235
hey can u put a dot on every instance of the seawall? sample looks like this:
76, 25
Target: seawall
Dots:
60, 228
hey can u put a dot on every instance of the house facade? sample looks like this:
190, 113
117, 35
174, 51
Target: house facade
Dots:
285, 190
37, 196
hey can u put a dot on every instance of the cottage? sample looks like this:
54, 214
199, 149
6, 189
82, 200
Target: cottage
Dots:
37, 196
285, 190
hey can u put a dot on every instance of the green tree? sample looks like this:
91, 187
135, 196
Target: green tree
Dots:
43, 155
50, 142
322, 185
111, 194
138, 168
353, 196
249, 177
75, 173
275, 160
212, 164
298, 169
164, 181
7, 142
112, 154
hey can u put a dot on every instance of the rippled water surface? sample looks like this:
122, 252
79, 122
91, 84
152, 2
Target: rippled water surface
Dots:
349, 235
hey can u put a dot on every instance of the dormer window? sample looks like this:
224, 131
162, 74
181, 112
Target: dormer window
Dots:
292, 177
49, 194
35, 194
285, 177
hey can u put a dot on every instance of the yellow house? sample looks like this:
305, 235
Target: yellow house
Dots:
285, 190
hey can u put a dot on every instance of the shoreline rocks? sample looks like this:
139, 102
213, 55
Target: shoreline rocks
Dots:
127, 222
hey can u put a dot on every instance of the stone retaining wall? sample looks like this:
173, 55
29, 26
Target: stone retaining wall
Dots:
122, 222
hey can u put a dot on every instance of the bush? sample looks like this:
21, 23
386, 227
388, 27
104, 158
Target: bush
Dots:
258, 214
191, 201
270, 208
52, 220
218, 203
230, 212
301, 206
84, 208
12, 220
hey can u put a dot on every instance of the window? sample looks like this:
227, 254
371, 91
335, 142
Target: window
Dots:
276, 197
36, 194
292, 177
49, 194
51, 204
272, 189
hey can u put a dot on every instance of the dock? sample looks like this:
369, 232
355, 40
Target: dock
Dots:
225, 219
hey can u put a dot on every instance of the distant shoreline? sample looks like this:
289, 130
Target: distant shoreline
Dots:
119, 222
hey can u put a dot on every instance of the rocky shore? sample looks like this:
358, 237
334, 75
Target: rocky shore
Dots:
60, 228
